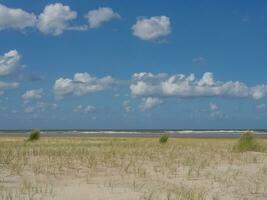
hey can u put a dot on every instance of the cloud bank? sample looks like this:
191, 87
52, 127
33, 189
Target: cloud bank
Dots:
54, 19
182, 86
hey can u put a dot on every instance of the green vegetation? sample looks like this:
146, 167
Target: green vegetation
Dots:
163, 139
248, 142
34, 135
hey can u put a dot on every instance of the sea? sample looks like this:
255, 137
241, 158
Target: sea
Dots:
140, 131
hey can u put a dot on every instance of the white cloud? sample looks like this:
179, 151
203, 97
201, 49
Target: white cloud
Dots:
5, 85
32, 95
180, 85
11, 18
81, 84
103, 14
150, 102
9, 63
152, 28
55, 19
213, 106
85, 109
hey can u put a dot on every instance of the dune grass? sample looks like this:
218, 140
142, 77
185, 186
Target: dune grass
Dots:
163, 139
180, 169
248, 142
34, 135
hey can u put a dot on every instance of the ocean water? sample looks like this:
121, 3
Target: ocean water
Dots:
146, 131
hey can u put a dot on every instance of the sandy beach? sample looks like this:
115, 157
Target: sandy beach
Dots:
82, 168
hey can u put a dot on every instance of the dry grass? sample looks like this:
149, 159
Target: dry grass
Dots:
193, 169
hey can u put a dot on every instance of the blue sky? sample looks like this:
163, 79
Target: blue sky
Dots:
133, 64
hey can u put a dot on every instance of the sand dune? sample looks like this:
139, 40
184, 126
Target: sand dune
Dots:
67, 168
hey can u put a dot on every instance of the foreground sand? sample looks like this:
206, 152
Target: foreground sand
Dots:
82, 168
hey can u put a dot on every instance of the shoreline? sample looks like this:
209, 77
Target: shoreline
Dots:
138, 135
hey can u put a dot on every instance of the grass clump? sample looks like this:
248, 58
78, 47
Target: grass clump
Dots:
34, 135
163, 139
248, 142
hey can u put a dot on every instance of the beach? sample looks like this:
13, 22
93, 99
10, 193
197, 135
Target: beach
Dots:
65, 166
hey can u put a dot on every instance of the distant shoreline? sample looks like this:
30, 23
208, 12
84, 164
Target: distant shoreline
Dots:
136, 135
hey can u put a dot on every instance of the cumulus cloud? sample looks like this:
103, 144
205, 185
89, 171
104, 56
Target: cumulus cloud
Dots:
9, 63
182, 86
81, 84
150, 102
11, 18
55, 19
103, 14
152, 28
32, 95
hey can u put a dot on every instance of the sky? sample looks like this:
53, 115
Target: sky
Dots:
111, 64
